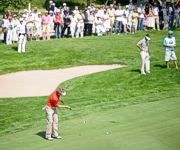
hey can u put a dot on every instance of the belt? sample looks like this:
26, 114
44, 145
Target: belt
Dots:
22, 34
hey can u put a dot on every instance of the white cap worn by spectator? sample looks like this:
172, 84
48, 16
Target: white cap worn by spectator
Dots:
20, 19
64, 4
25, 10
24, 16
51, 12
50, 2
58, 10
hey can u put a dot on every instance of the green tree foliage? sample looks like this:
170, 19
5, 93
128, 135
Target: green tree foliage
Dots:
12, 4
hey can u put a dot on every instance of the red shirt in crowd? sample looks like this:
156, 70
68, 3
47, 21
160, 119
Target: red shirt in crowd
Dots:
53, 99
58, 20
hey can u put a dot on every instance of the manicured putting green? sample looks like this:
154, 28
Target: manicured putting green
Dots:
149, 126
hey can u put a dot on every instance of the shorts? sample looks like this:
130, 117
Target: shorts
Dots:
46, 28
170, 55
30, 31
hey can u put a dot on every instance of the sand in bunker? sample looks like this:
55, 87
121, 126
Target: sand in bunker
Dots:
43, 82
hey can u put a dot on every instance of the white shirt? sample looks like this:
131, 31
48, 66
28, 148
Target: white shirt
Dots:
119, 14
140, 12
156, 11
169, 42
73, 20
21, 28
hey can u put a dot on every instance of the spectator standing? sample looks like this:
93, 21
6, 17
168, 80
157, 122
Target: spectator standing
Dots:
156, 16
9, 26
45, 26
67, 20
22, 38
73, 24
141, 12
58, 20
134, 21
170, 44
118, 20
80, 24
15, 35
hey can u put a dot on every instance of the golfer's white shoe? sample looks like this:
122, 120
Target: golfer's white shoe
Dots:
143, 73
57, 137
50, 138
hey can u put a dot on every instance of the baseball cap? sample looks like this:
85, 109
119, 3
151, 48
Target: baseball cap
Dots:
170, 32
61, 91
20, 19
147, 36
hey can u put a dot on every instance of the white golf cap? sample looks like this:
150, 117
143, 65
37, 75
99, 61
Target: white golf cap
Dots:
58, 10
148, 38
64, 4
50, 2
20, 19
50, 11
24, 16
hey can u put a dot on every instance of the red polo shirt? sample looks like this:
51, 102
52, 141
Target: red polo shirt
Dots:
53, 99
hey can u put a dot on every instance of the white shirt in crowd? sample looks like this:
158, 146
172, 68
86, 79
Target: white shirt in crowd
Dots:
21, 28
141, 12
156, 11
119, 14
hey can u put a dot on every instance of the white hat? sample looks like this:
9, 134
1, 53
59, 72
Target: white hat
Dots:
58, 10
127, 6
25, 10
51, 12
64, 4
46, 11
50, 2
24, 16
20, 19
39, 13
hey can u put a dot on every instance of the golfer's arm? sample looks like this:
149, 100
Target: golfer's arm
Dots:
62, 106
138, 46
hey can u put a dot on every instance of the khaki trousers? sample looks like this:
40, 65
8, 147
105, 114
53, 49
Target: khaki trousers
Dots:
51, 122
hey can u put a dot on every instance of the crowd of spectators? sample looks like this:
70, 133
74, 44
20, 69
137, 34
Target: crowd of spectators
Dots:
58, 22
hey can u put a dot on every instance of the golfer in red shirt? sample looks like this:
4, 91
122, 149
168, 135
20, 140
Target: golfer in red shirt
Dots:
51, 113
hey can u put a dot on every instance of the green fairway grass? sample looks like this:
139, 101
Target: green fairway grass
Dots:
148, 126
122, 109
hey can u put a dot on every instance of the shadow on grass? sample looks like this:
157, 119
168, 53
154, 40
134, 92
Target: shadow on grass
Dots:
41, 134
160, 66
14, 48
135, 70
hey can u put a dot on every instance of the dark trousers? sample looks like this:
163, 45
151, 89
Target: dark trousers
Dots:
5, 36
87, 29
58, 30
64, 29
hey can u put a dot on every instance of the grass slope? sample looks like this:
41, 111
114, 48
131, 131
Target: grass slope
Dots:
72, 52
148, 126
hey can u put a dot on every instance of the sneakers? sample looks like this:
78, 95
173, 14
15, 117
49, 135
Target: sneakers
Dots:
50, 139
143, 73
57, 137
